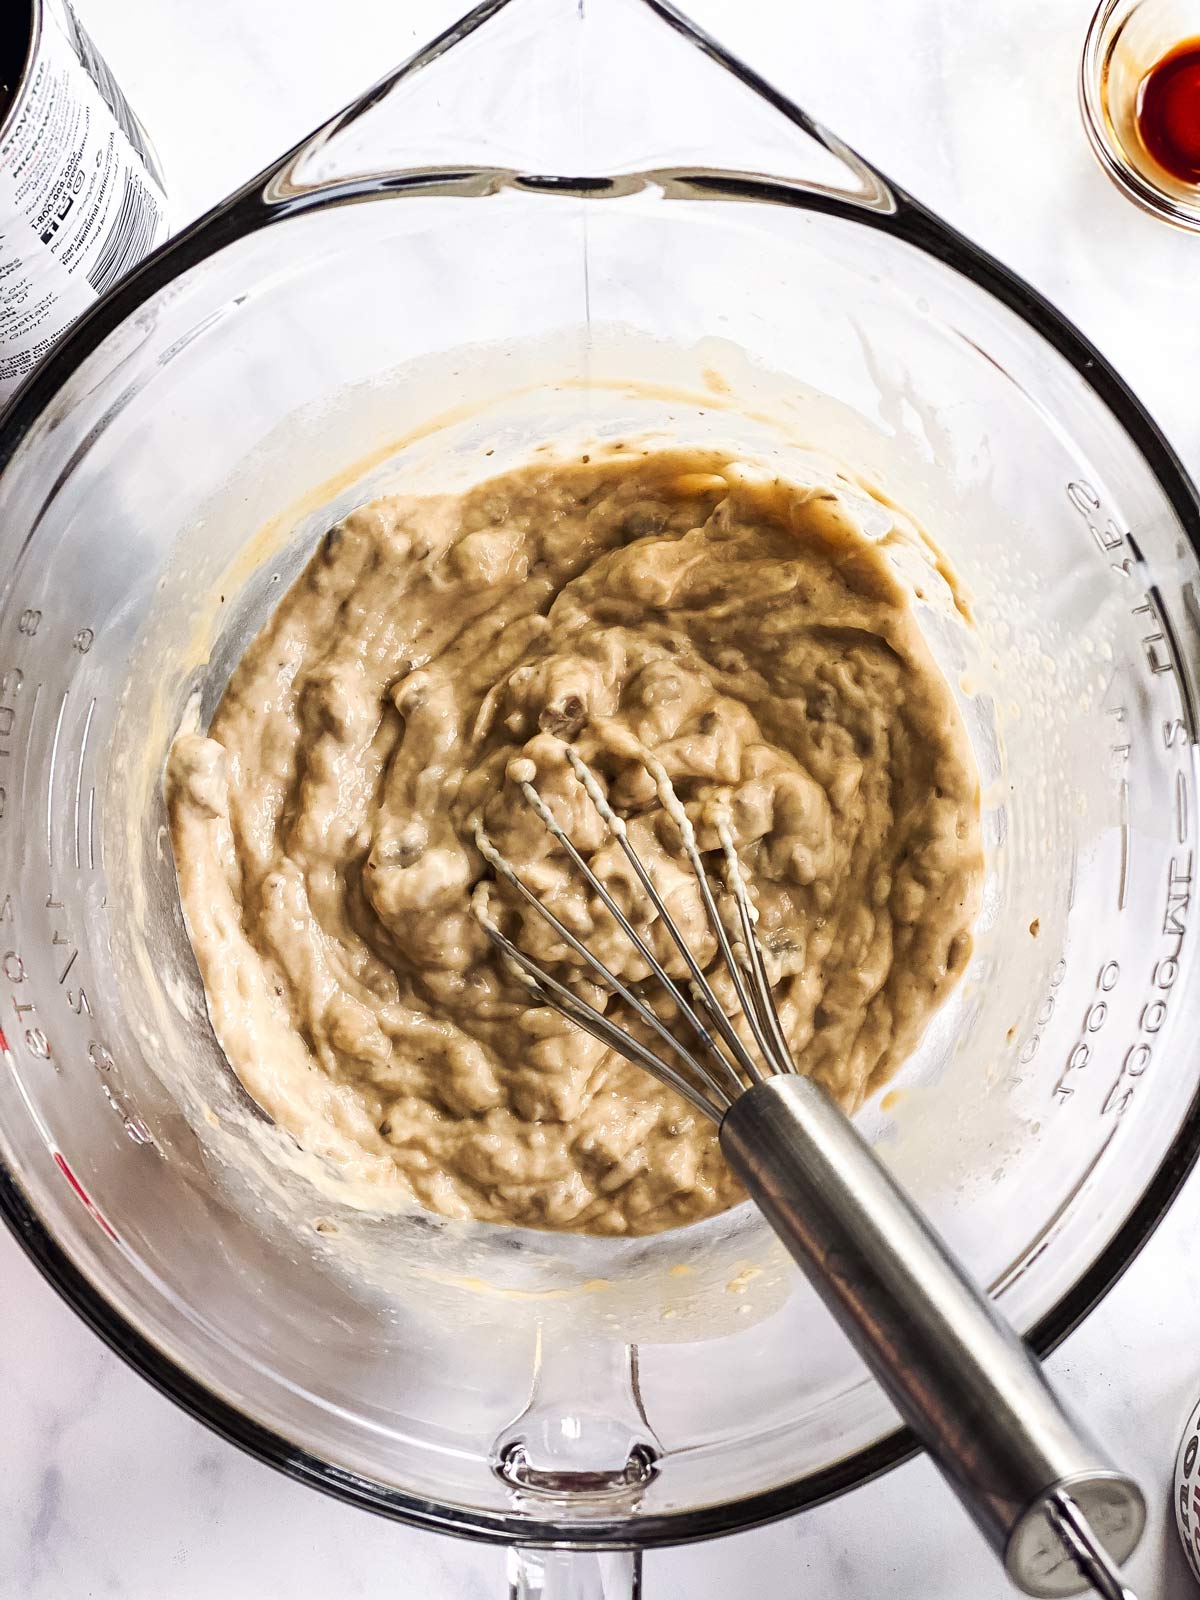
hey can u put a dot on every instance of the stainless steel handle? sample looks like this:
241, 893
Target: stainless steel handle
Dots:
1031, 1477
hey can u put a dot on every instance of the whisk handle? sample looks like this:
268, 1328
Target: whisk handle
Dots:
969, 1388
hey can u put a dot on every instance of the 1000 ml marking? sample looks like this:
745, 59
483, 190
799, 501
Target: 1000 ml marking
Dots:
1176, 905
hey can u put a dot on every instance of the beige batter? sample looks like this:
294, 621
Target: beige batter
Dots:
742, 629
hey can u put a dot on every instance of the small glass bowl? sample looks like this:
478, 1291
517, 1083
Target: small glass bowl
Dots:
1126, 38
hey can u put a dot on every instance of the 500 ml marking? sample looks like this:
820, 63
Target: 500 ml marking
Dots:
35, 1037
1094, 1019
1045, 1011
76, 996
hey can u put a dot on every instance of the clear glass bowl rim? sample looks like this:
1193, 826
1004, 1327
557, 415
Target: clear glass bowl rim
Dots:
892, 210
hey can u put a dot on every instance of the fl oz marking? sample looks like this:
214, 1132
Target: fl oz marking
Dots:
1120, 549
1154, 639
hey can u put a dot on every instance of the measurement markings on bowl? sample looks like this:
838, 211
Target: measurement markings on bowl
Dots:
1119, 753
58, 726
1157, 636
1163, 660
10, 683
1044, 1012
73, 1035
1181, 808
14, 693
78, 811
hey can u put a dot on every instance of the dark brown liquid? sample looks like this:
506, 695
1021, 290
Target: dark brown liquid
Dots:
1168, 112
16, 30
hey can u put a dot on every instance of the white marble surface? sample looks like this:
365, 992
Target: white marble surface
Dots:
106, 1489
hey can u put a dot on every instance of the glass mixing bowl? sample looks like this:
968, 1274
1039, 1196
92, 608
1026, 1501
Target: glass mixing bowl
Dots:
577, 222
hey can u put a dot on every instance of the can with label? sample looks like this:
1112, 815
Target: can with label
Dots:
1187, 1490
81, 197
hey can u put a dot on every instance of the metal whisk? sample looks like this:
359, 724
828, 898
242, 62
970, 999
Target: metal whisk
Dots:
1054, 1508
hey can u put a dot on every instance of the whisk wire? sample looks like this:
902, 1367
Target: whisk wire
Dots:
715, 1076
608, 978
616, 826
550, 991
703, 1033
780, 1056
753, 1005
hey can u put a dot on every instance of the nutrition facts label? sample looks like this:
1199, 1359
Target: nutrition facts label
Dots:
78, 206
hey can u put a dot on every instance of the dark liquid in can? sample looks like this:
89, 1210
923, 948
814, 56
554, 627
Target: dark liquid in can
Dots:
16, 32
